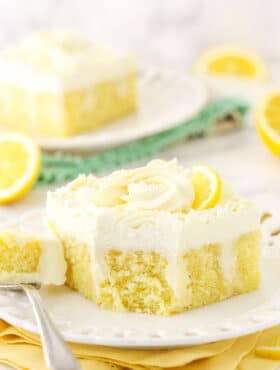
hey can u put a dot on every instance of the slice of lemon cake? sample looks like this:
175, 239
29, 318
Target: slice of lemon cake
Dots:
57, 84
30, 253
134, 242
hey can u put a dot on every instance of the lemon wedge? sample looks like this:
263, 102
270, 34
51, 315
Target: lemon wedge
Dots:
20, 161
231, 61
207, 187
271, 352
268, 120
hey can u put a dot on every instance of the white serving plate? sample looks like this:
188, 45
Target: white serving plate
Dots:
80, 320
166, 99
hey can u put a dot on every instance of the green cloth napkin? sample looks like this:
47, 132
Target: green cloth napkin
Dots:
61, 167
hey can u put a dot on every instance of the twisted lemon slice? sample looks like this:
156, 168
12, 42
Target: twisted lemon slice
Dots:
207, 187
20, 161
231, 61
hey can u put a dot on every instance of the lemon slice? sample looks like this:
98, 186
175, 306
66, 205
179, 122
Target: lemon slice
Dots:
207, 187
230, 61
271, 352
268, 120
20, 161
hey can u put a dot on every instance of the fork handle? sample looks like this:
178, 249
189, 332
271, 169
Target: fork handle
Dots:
56, 352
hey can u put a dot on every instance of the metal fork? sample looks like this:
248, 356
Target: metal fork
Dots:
56, 352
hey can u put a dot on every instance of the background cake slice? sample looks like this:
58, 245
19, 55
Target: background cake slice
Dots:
30, 253
57, 84
133, 242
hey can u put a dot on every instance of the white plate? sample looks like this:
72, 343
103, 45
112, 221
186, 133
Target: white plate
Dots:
166, 99
82, 321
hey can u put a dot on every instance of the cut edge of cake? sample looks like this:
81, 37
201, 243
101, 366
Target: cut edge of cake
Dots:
30, 253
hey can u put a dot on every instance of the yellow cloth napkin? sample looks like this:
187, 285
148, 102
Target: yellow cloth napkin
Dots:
22, 350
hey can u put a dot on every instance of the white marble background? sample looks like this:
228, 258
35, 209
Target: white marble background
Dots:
170, 32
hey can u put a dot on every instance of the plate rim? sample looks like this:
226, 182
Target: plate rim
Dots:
152, 341
264, 315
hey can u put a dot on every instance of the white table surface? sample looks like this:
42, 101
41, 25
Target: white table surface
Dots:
240, 156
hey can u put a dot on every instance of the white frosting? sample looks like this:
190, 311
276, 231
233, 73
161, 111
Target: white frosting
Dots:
32, 227
96, 212
159, 185
228, 260
61, 61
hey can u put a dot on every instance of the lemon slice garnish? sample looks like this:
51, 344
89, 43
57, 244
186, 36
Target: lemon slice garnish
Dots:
268, 120
20, 161
231, 61
207, 187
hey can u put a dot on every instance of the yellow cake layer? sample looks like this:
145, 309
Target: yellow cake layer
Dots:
137, 281
66, 113
19, 258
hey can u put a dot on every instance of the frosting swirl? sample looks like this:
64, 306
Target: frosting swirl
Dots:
160, 185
